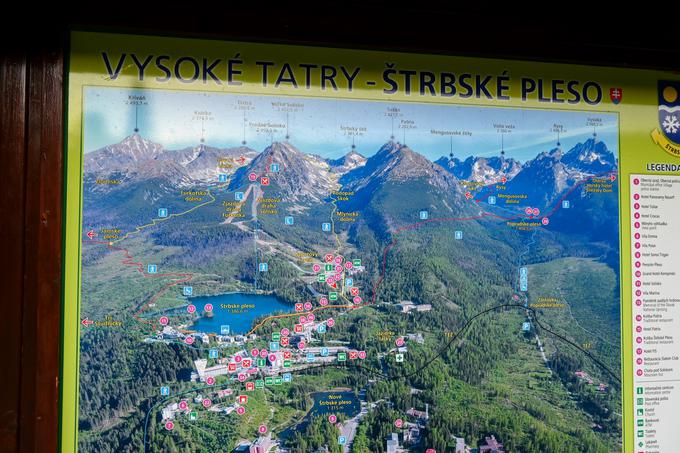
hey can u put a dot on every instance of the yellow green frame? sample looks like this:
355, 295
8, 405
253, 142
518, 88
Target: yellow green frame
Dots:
637, 119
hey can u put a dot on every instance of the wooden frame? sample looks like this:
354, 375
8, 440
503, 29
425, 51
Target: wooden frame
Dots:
31, 120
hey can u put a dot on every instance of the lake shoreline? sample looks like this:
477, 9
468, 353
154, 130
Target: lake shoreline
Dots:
241, 312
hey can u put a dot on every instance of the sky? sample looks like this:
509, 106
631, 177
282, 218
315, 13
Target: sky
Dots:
179, 119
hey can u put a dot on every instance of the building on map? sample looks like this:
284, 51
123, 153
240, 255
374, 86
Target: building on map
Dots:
392, 444
169, 333
205, 339
412, 433
417, 337
278, 363
355, 270
261, 445
461, 447
296, 339
332, 350
224, 393
416, 413
406, 306
168, 412
242, 354
214, 371
491, 445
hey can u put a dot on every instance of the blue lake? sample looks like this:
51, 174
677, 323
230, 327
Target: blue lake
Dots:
237, 310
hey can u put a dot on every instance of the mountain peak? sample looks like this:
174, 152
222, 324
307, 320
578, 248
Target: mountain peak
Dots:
552, 172
393, 146
282, 149
124, 155
591, 156
138, 147
298, 174
488, 170
448, 163
354, 155
397, 162
346, 163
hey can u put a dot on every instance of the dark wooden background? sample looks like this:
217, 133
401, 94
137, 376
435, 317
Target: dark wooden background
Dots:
31, 121
32, 134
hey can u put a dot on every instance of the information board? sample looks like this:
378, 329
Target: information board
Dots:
297, 249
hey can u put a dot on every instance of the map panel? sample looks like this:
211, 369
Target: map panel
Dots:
277, 273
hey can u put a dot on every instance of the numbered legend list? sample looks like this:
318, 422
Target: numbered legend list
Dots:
655, 250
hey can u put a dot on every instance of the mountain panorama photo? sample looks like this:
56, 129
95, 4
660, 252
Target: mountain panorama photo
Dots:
266, 274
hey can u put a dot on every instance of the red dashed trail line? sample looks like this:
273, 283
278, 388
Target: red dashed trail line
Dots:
413, 226
186, 277
485, 214
130, 262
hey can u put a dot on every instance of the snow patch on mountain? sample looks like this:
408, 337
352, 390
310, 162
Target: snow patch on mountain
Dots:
397, 162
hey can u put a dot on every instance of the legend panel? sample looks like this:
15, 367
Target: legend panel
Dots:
655, 249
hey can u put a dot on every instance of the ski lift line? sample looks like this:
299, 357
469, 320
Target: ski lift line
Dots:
337, 239
427, 363
462, 330
376, 286
521, 255
483, 215
256, 254
532, 314
337, 251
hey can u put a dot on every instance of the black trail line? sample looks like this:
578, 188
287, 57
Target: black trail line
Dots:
427, 363
462, 330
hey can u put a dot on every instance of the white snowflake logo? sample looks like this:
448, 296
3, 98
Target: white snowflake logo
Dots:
671, 124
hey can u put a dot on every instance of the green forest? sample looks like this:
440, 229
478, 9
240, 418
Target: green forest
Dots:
478, 377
